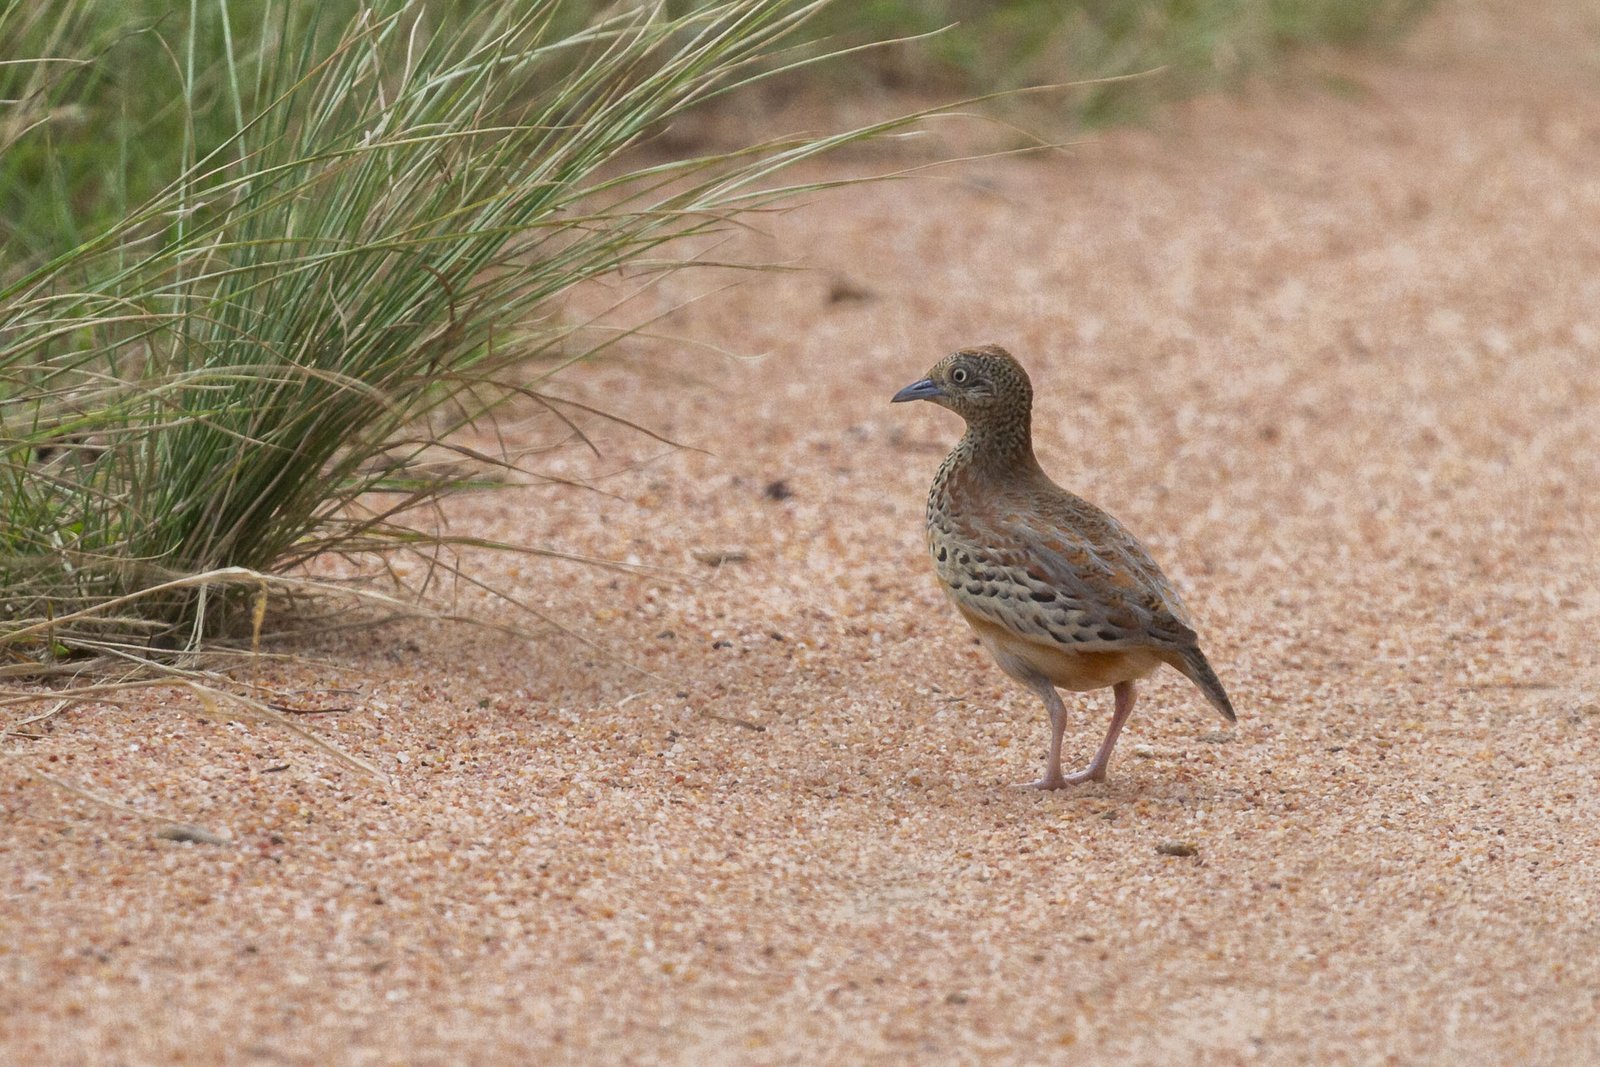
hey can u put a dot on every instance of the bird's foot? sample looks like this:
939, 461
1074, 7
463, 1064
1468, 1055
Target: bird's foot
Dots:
1061, 781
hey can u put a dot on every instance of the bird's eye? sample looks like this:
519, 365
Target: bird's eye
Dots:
959, 376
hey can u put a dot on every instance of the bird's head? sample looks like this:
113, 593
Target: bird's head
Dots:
982, 385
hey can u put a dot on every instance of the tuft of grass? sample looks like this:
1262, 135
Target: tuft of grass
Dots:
274, 357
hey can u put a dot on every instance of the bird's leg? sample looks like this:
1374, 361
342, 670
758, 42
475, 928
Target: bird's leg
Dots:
1097, 770
1058, 725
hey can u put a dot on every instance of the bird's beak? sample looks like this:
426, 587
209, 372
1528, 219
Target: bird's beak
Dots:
923, 390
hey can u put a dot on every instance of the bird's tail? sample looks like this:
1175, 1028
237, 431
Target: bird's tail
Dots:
1192, 663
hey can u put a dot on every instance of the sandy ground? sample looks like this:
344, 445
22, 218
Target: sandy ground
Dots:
1329, 350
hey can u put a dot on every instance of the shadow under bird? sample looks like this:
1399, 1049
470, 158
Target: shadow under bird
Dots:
1058, 591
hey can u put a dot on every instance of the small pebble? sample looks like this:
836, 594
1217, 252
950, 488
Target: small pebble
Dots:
717, 557
842, 290
181, 831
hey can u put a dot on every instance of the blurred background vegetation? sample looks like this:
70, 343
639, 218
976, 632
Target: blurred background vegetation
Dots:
1002, 45
128, 89
263, 261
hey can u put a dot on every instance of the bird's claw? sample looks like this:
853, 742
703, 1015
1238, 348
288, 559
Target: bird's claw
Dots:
1061, 781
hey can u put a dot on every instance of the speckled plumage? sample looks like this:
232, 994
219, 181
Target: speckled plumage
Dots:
1058, 591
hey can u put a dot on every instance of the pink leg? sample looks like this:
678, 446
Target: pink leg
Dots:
1058, 725
1053, 778
1102, 758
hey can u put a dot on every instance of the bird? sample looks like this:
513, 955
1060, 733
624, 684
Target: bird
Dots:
1057, 591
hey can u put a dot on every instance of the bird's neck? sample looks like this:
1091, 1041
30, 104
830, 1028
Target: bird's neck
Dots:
999, 448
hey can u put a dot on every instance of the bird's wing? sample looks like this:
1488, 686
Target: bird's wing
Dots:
1061, 570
